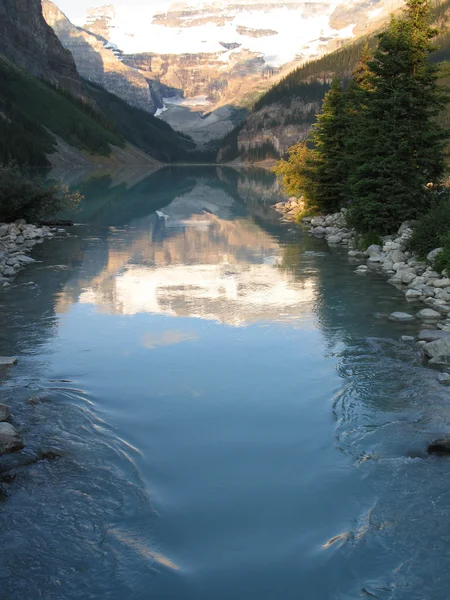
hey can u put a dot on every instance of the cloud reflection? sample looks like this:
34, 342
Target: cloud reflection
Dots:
168, 338
198, 262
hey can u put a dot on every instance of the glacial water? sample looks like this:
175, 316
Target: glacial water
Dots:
236, 417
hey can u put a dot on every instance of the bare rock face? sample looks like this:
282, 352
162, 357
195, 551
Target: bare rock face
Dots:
27, 40
99, 62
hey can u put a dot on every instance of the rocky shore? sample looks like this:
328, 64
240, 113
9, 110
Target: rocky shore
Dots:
16, 243
426, 290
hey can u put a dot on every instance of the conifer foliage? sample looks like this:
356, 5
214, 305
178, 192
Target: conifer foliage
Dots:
377, 145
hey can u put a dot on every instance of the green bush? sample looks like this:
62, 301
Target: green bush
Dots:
432, 227
363, 241
442, 260
31, 199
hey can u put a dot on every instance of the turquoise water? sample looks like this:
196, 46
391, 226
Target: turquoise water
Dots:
236, 416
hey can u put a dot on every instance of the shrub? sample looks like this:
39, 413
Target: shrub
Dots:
27, 198
433, 226
442, 260
363, 241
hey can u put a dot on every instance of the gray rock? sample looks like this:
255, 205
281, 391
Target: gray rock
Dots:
431, 335
25, 259
428, 313
444, 378
376, 258
397, 256
317, 221
432, 255
9, 439
374, 250
7, 361
441, 283
412, 294
334, 239
407, 277
407, 338
438, 351
4, 412
319, 230
401, 316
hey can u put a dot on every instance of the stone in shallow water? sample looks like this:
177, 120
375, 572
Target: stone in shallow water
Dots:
407, 338
441, 446
444, 378
9, 439
7, 361
4, 412
438, 351
400, 316
428, 313
413, 293
430, 335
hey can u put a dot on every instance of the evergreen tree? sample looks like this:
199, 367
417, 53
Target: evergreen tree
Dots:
329, 138
397, 141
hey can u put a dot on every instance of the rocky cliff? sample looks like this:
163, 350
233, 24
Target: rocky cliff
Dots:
27, 40
100, 62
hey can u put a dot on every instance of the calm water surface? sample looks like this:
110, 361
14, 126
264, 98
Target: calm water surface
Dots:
236, 416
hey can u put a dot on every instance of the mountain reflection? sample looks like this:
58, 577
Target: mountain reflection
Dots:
202, 255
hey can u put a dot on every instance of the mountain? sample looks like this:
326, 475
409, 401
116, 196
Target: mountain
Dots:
284, 114
98, 61
50, 114
27, 40
216, 58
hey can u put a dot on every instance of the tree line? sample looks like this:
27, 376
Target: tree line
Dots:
377, 147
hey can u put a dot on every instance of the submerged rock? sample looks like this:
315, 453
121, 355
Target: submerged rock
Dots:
444, 378
7, 361
9, 439
441, 446
4, 412
400, 316
407, 338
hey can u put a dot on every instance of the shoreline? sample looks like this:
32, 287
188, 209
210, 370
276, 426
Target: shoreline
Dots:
17, 241
427, 290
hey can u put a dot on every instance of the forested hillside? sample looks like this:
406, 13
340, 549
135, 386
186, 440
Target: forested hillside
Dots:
32, 110
284, 114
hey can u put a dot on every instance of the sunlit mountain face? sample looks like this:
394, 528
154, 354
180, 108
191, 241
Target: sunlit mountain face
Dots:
205, 61
201, 256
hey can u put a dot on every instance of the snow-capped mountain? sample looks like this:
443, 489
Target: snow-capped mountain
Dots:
218, 54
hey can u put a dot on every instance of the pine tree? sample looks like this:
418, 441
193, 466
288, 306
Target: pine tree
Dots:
398, 143
329, 136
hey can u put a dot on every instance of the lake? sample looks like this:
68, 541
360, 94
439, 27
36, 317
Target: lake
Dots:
236, 416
